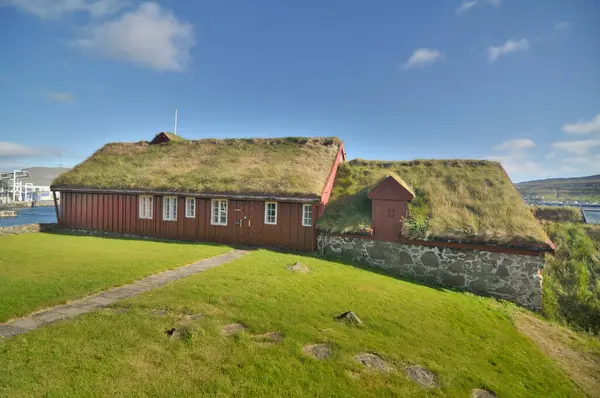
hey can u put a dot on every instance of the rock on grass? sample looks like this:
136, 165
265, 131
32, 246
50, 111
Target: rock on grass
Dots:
422, 376
349, 317
317, 351
374, 361
299, 267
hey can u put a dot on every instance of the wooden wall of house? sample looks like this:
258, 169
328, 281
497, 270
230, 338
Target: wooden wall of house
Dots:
119, 213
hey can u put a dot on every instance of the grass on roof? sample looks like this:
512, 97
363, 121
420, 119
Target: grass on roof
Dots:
464, 200
174, 137
279, 166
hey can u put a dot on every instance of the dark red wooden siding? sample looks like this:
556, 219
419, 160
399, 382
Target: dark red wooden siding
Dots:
390, 209
245, 221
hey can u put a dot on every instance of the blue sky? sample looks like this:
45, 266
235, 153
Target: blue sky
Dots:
510, 80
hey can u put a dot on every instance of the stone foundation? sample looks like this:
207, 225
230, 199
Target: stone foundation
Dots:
512, 277
28, 228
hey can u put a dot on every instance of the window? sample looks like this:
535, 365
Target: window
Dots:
190, 207
146, 207
169, 208
271, 213
306, 215
219, 212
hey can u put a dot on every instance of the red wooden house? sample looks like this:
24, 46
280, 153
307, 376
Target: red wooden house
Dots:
266, 192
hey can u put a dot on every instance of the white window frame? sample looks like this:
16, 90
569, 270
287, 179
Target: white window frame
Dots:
267, 213
216, 203
145, 206
306, 207
169, 213
190, 207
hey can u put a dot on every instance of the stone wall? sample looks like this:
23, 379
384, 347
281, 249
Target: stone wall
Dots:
28, 228
512, 277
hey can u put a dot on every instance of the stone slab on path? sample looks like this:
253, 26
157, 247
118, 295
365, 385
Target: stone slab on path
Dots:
108, 297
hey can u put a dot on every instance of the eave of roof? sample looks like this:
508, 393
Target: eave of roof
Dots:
278, 198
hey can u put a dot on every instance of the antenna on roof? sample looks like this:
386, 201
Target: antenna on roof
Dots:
175, 129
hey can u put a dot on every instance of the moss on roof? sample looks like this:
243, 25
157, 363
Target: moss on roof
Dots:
459, 200
173, 137
276, 166
396, 178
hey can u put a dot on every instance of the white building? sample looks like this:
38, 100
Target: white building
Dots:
30, 184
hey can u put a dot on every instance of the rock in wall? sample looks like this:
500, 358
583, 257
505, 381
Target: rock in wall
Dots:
512, 277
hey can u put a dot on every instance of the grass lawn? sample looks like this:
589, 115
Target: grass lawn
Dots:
468, 341
40, 270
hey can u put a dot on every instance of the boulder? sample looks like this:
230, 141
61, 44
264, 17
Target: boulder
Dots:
349, 316
299, 267
422, 376
317, 351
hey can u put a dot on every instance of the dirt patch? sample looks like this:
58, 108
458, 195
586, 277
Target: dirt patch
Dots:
233, 328
566, 348
479, 393
269, 337
317, 351
374, 361
299, 267
422, 376
158, 312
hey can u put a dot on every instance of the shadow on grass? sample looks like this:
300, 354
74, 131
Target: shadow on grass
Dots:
370, 268
315, 255
119, 236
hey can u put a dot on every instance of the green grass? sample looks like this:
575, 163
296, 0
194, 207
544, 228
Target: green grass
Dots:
464, 200
468, 341
282, 166
572, 277
40, 270
558, 213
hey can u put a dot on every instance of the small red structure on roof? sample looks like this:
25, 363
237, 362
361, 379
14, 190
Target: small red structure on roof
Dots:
390, 199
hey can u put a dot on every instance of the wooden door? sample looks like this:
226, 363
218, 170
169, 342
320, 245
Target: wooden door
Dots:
239, 210
254, 222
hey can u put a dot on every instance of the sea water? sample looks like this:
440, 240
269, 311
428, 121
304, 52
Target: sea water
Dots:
30, 215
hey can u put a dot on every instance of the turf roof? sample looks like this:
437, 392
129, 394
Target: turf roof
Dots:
289, 166
458, 200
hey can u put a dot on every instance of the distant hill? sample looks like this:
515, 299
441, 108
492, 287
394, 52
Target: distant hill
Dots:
576, 188
43, 176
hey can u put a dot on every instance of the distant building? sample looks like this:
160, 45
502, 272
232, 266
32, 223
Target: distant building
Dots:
26, 185
38, 184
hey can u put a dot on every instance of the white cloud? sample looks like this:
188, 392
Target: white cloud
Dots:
13, 150
516, 145
517, 165
593, 126
510, 46
422, 57
577, 147
561, 25
55, 9
60, 96
147, 36
466, 5
516, 159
